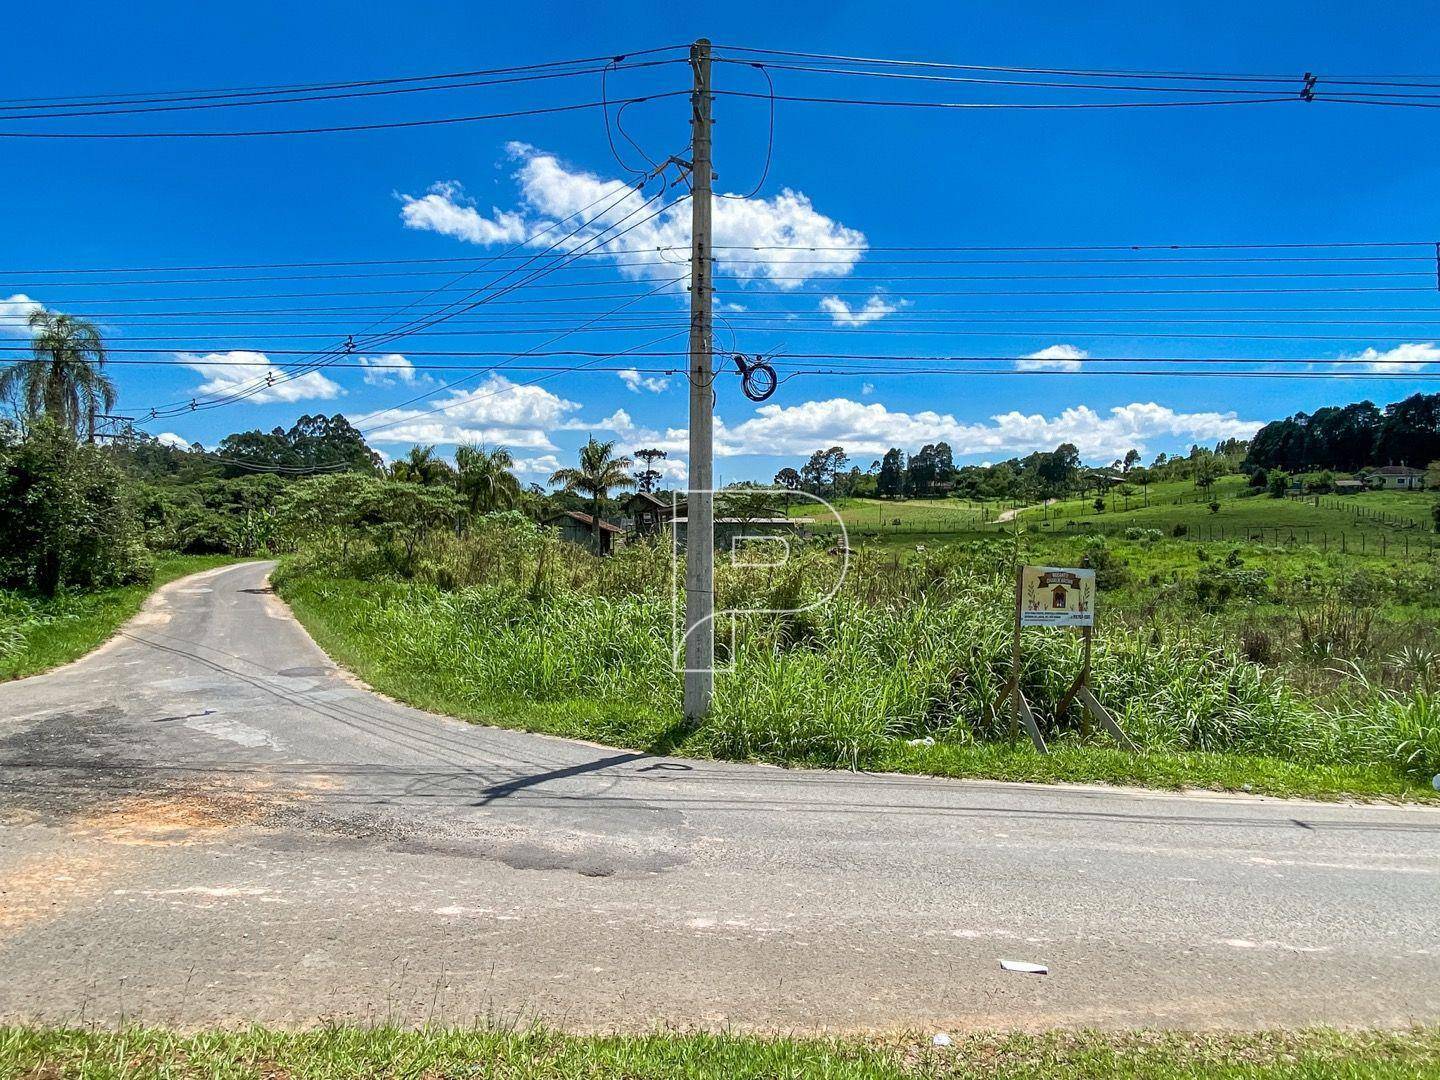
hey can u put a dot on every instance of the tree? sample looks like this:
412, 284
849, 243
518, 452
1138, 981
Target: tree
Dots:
648, 478
599, 471
313, 442
1057, 472
66, 515
1208, 469
820, 473
891, 482
64, 380
484, 478
1279, 484
1132, 458
421, 466
1410, 431
1141, 475
788, 478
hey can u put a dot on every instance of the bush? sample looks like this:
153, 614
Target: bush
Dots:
1147, 535
1180, 529
1110, 572
1279, 485
67, 518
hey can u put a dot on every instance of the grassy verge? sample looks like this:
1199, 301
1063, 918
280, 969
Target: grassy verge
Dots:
541, 1053
352, 621
37, 635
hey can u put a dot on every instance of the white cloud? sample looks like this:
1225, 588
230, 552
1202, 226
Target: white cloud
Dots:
1053, 358
1410, 357
873, 310
447, 211
227, 373
14, 310
744, 229
673, 468
392, 369
639, 383
496, 413
866, 389
541, 467
170, 439
872, 428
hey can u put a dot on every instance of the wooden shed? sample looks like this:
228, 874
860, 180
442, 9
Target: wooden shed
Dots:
579, 528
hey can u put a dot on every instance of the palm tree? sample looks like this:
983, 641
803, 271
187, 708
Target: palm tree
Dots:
486, 481
599, 471
64, 380
421, 466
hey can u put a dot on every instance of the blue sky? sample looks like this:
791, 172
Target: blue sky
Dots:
840, 176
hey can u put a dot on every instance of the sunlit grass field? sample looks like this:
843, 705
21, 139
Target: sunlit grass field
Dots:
537, 1053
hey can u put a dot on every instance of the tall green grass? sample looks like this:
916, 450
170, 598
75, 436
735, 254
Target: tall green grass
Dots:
901, 653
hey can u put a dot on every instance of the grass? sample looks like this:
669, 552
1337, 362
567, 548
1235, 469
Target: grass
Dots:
865, 683
38, 634
334, 1053
1243, 512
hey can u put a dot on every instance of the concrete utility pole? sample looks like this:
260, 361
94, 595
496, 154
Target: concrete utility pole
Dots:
700, 505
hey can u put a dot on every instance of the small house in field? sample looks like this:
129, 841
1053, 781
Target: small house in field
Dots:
1396, 478
579, 528
647, 513
1349, 487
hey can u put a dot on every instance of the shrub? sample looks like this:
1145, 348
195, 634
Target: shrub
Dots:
1258, 645
1214, 507
1179, 529
1110, 572
67, 517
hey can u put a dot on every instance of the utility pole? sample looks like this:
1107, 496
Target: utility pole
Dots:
700, 505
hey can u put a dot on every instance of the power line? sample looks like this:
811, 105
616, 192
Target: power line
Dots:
1428, 271
1023, 106
334, 128
867, 249
281, 87
621, 193
789, 355
181, 105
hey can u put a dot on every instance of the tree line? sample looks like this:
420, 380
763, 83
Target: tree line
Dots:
1352, 437
931, 472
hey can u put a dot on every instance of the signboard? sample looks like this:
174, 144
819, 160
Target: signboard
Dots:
1054, 596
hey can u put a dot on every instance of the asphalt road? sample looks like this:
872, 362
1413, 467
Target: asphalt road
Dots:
205, 822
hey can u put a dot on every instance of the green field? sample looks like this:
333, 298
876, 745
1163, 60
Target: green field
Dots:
37, 634
341, 1053
1378, 522
1261, 667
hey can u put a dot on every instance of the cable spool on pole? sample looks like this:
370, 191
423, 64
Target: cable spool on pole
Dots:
700, 507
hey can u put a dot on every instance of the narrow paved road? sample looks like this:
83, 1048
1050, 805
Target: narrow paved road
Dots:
205, 822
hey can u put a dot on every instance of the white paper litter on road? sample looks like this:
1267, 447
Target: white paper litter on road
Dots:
1024, 967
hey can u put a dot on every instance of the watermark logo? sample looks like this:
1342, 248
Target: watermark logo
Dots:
750, 537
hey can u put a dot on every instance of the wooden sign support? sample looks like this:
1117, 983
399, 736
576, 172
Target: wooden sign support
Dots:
1020, 710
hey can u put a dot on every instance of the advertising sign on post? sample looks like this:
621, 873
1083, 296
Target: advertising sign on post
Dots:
1054, 596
